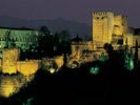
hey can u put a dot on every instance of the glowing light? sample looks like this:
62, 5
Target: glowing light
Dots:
94, 70
73, 64
130, 65
129, 62
28, 102
52, 70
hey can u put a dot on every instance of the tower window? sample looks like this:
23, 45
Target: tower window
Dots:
116, 25
97, 17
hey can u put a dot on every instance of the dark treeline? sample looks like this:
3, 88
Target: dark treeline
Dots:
48, 45
114, 84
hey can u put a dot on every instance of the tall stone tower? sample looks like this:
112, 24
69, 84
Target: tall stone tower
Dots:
102, 27
108, 27
120, 29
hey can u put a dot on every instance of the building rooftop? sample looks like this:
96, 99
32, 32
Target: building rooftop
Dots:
15, 28
76, 39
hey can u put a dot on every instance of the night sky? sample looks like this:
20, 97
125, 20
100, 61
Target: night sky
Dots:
78, 10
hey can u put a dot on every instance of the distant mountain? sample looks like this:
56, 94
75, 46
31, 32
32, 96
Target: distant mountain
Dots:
56, 25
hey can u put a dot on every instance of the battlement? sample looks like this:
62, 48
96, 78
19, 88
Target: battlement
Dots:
108, 13
100, 14
119, 15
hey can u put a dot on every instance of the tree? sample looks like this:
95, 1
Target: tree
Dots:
136, 53
65, 41
56, 43
45, 41
64, 35
45, 30
108, 47
9, 42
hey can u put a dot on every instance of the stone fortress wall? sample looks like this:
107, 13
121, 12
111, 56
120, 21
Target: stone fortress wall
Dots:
10, 63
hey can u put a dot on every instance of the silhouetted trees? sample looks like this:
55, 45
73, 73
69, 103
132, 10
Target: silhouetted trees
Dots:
64, 42
109, 49
53, 44
45, 41
9, 42
45, 30
136, 53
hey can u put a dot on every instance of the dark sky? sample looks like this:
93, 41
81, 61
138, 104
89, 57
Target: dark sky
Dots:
78, 10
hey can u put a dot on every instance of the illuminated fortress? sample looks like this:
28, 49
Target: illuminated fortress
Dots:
107, 27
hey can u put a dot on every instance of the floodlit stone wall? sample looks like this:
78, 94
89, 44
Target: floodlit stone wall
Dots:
83, 52
10, 85
77, 48
59, 60
28, 67
11, 65
9, 60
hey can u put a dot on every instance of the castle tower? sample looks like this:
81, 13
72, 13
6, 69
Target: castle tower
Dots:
120, 29
9, 60
102, 27
108, 27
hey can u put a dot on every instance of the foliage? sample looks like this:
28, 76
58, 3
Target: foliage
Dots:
129, 61
94, 70
28, 102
